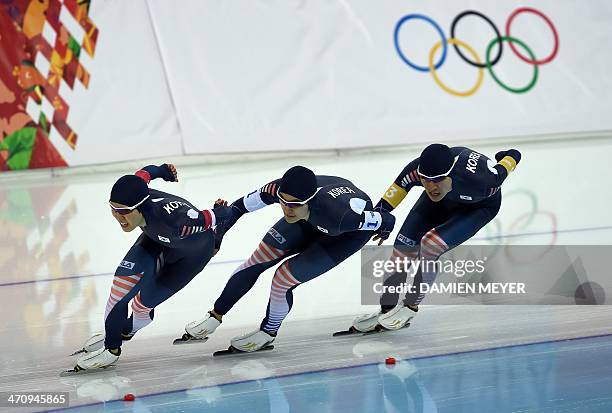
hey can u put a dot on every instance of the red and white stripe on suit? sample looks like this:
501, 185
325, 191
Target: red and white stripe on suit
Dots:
432, 246
140, 313
264, 253
282, 281
122, 285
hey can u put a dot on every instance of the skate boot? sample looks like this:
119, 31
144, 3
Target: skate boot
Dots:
253, 341
96, 342
398, 317
98, 359
367, 322
201, 329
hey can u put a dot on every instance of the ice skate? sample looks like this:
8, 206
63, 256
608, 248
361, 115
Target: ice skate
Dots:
366, 322
96, 342
97, 360
198, 331
395, 319
257, 340
362, 324
398, 317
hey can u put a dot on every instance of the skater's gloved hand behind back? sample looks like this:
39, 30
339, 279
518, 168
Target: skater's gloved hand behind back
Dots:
386, 227
165, 171
222, 213
513, 154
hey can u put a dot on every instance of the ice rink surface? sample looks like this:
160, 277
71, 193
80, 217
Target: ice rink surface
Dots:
60, 247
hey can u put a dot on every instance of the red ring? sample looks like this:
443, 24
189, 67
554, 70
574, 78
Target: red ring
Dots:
550, 24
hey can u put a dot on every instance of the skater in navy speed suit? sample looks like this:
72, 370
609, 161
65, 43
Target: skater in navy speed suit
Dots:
326, 220
175, 245
462, 194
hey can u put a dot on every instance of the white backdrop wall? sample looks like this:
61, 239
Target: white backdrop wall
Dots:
204, 76
127, 112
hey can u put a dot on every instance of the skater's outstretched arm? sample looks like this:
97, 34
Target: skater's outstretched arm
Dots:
257, 199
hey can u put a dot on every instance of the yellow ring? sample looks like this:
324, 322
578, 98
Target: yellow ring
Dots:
471, 51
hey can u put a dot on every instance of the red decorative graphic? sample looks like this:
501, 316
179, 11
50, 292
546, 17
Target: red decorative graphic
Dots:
24, 141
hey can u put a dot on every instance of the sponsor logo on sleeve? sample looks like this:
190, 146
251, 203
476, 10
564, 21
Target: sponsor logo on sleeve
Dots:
405, 240
278, 237
127, 264
323, 230
163, 239
193, 214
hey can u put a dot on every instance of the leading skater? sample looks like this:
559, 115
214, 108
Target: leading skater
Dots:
175, 245
462, 194
326, 220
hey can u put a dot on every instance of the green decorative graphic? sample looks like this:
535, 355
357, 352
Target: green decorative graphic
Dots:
19, 145
75, 47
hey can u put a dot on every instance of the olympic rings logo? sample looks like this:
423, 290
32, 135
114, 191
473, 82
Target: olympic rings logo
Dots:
476, 61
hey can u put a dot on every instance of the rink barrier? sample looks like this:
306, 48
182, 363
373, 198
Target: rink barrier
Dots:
296, 156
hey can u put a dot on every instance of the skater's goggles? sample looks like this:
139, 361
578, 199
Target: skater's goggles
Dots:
127, 210
295, 204
436, 178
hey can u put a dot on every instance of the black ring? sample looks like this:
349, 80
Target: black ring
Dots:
465, 59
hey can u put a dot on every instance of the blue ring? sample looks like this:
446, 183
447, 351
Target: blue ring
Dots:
435, 25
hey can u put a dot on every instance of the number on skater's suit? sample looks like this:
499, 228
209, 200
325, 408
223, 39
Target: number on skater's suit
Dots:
391, 192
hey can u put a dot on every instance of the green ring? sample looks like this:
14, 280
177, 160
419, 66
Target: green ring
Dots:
490, 68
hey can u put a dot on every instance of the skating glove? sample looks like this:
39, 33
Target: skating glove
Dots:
513, 153
223, 214
383, 206
386, 227
165, 171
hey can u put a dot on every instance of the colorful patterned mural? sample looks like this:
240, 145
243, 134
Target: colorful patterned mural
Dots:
24, 141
